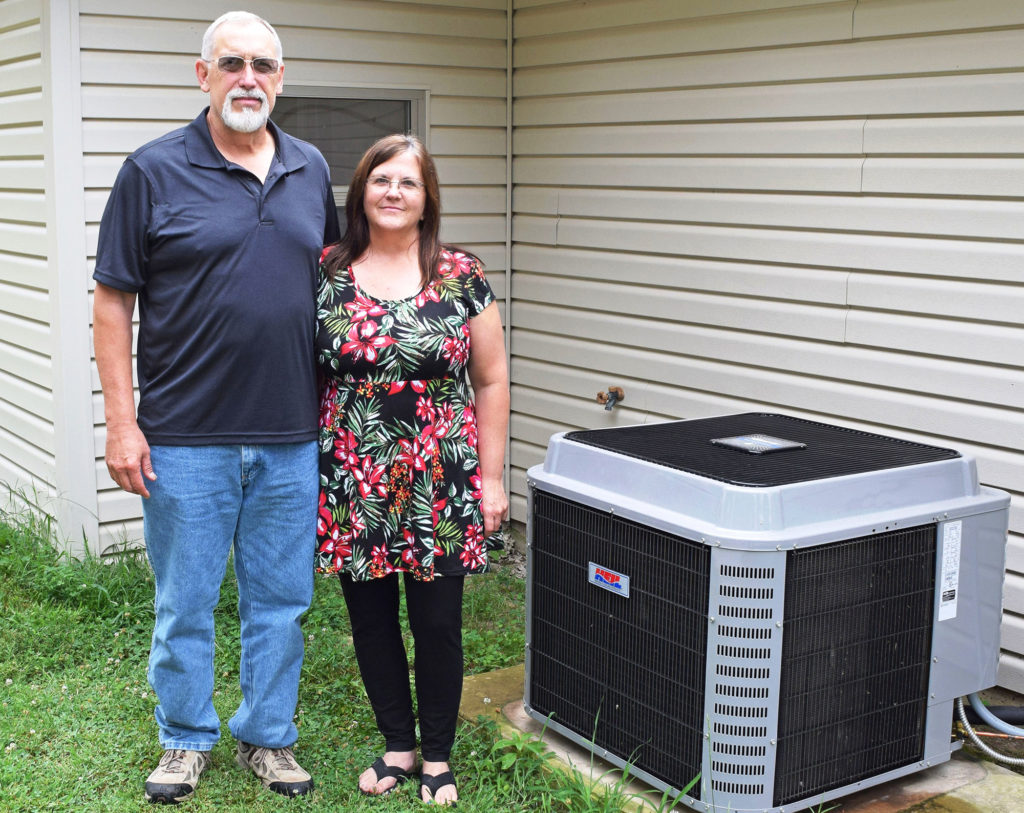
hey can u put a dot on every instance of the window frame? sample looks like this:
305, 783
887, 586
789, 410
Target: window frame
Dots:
418, 98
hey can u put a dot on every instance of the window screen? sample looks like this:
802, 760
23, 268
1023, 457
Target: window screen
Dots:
342, 129
343, 122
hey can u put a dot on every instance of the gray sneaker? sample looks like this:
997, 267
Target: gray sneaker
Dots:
176, 776
276, 769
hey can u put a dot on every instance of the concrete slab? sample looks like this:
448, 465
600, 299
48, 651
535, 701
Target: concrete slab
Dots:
908, 791
965, 784
488, 692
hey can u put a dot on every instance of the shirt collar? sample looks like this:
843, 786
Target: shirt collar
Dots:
202, 152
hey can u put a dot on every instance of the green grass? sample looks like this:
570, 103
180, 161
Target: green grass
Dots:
76, 723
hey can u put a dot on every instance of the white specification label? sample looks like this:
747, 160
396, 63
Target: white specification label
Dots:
950, 584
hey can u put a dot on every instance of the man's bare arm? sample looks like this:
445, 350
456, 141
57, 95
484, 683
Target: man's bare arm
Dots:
127, 452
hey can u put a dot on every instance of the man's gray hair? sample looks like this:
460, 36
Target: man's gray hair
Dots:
234, 17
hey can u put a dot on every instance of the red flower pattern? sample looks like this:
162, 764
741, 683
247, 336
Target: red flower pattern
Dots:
362, 308
428, 294
477, 483
469, 426
415, 453
363, 341
444, 420
370, 477
474, 554
324, 516
437, 508
425, 410
345, 446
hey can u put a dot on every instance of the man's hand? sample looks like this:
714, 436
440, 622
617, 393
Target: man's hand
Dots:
128, 459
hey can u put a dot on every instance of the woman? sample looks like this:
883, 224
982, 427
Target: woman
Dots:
410, 467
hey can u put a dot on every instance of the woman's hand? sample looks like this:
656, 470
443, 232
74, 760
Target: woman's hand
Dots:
493, 505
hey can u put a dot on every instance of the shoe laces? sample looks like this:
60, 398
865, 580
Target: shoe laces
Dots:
174, 762
284, 759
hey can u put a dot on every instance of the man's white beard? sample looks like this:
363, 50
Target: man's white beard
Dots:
245, 120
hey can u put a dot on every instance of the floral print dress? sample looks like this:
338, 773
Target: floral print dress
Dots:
399, 471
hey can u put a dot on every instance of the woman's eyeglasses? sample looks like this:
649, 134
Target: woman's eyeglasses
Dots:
383, 182
233, 64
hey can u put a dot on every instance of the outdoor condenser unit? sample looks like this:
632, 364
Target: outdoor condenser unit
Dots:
779, 609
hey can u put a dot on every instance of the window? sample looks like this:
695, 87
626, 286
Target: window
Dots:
343, 122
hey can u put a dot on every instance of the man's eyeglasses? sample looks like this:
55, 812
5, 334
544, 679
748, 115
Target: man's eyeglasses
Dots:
383, 182
233, 64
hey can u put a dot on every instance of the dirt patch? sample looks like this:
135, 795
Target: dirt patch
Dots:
513, 557
513, 560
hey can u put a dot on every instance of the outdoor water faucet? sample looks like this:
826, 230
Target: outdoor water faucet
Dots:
611, 398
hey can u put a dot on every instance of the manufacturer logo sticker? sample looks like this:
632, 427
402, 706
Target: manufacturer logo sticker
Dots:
610, 580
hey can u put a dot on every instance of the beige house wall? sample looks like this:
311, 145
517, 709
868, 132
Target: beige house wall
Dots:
26, 385
45, 435
815, 208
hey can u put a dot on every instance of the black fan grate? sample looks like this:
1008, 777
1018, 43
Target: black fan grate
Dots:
855, 660
831, 451
625, 673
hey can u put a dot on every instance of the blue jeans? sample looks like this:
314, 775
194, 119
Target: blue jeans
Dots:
261, 500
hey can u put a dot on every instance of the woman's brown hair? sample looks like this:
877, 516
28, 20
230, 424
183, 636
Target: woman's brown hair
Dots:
357, 233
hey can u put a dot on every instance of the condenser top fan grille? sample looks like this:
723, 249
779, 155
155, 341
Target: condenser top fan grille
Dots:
815, 450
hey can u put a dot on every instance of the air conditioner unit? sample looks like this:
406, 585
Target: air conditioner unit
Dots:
780, 609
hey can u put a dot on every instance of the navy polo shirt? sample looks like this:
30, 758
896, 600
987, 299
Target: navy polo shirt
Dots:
225, 269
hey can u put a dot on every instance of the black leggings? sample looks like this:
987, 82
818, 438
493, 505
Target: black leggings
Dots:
435, 617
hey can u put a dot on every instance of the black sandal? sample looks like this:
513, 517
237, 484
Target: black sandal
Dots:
382, 771
434, 783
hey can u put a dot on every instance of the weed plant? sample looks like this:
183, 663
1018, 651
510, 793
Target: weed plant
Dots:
76, 723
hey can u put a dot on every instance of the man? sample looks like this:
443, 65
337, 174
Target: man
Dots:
216, 228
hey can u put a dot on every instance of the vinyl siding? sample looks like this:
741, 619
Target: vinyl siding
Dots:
138, 82
27, 459
807, 207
